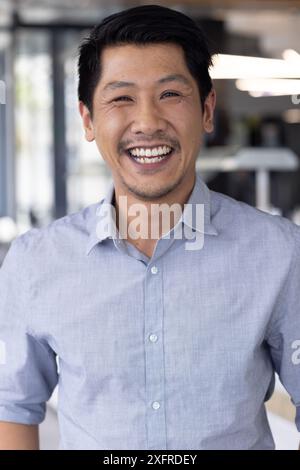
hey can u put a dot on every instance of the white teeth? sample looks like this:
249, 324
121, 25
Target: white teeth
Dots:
149, 160
154, 152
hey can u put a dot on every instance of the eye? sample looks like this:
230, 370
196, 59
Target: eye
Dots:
171, 93
122, 98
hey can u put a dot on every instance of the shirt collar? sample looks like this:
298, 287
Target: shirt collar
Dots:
199, 196
103, 225
103, 221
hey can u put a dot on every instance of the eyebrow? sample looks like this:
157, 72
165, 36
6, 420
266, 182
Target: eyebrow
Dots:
169, 78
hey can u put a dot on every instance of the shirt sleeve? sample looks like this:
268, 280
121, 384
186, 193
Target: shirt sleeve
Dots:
28, 368
284, 333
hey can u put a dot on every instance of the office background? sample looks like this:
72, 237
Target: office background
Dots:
47, 169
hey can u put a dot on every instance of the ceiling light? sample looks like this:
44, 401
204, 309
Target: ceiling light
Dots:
291, 55
227, 66
269, 87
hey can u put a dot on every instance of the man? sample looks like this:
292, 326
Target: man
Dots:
163, 342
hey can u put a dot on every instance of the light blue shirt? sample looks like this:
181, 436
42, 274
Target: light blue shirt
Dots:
173, 352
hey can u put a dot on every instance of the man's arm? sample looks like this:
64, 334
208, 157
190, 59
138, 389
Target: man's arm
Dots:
283, 335
28, 368
18, 436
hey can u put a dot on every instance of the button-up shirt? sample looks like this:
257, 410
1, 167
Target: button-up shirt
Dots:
176, 351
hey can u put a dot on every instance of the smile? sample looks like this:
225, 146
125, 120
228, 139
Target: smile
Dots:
148, 156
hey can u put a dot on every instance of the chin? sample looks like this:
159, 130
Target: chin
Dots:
152, 192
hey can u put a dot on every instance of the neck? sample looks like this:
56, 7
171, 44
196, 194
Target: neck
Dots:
141, 222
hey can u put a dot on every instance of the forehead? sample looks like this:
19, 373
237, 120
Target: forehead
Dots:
142, 63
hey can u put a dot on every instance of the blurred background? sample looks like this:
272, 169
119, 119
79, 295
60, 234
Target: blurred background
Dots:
47, 169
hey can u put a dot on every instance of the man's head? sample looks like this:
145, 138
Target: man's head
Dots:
144, 84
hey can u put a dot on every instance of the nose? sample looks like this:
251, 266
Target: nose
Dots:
147, 119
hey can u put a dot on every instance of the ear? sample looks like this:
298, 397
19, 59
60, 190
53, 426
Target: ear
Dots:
87, 122
208, 113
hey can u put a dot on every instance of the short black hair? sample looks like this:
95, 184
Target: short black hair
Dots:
147, 24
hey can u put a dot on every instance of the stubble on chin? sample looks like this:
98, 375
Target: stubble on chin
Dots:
151, 194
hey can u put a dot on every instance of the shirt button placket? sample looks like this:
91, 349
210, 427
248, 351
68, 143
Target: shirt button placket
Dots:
155, 413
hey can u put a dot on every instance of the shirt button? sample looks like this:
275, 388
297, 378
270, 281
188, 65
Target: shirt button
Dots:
154, 270
153, 338
155, 405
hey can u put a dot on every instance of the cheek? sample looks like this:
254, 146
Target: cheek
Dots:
187, 117
108, 128
109, 131
189, 132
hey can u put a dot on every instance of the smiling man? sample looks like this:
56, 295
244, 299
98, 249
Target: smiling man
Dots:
147, 118
158, 346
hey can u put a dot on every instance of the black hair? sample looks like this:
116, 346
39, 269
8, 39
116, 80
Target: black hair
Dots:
148, 24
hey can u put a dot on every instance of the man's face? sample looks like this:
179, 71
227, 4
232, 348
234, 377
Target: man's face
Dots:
148, 102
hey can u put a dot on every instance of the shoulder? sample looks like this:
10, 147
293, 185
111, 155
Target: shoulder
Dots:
263, 231
58, 237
